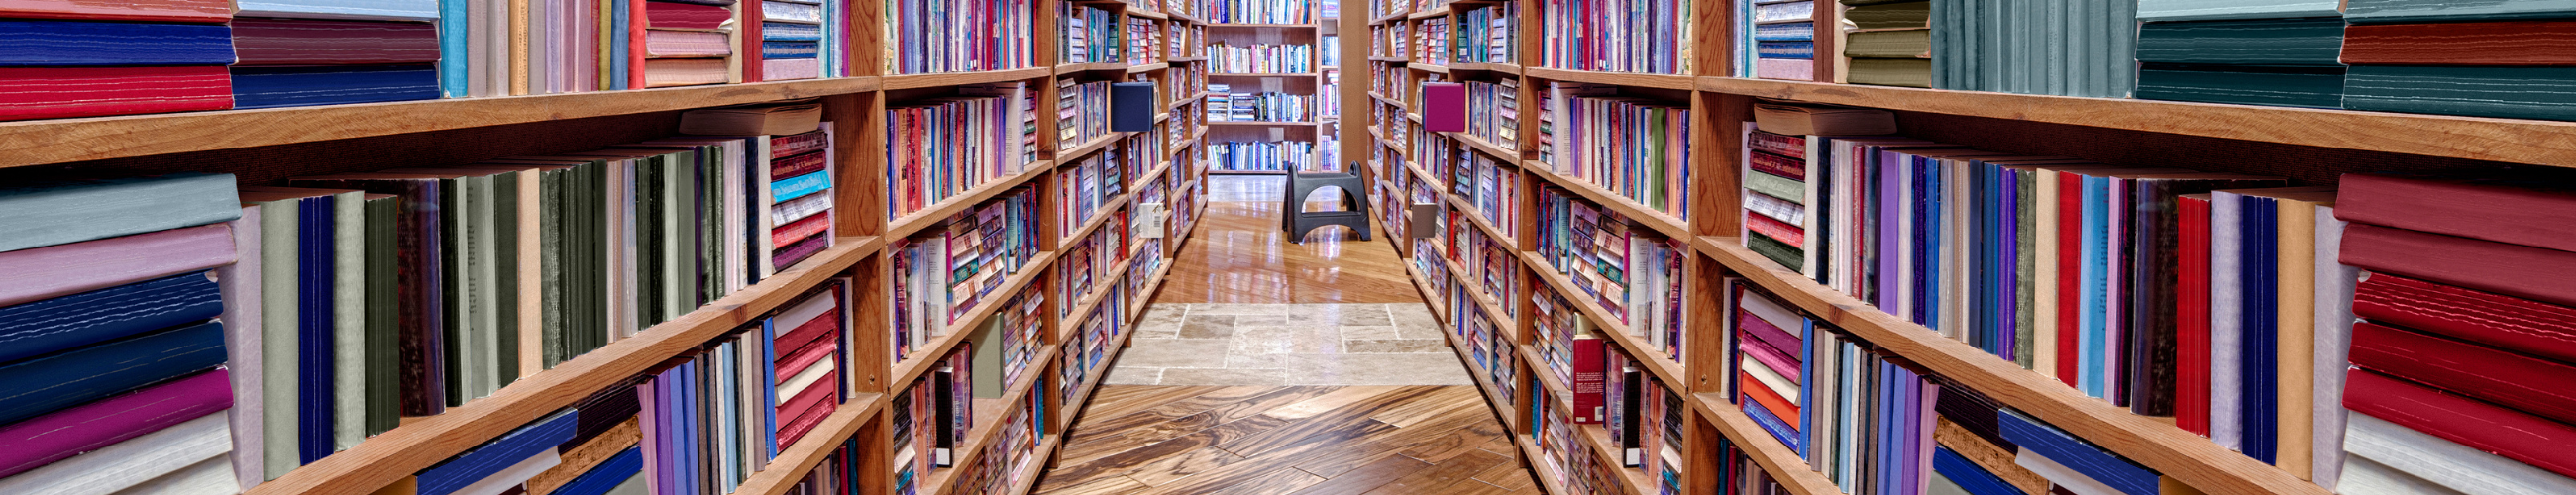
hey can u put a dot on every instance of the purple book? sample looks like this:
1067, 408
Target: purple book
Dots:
65, 269
62, 434
1444, 107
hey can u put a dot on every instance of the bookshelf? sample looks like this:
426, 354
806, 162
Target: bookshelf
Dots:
1398, 58
1292, 65
1162, 44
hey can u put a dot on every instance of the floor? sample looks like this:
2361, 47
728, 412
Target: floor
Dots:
1269, 367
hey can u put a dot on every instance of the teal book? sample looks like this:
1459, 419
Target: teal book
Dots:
45, 211
2207, 10
2547, 93
2311, 42
2388, 11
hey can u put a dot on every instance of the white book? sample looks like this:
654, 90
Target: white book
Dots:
2334, 286
2442, 462
2064, 477
2226, 321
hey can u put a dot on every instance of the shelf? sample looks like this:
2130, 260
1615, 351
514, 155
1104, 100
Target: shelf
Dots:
987, 426
1780, 463
2152, 442
1185, 17
799, 459
1438, 11
2538, 142
1638, 212
1545, 474
42, 142
1477, 217
1426, 178
1099, 216
1140, 69
1509, 155
1177, 60
1215, 25
1485, 67
1261, 74
1066, 156
959, 78
1177, 103
1651, 359
1076, 68
916, 364
1154, 174
1665, 81
1391, 60
904, 226
1259, 123
1132, 10
425, 441
1475, 289
1387, 18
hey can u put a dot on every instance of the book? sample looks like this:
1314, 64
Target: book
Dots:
62, 323
2468, 263
2523, 210
1823, 120
88, 427
499, 456
2386, 11
2480, 425
272, 87
2514, 381
333, 42
2508, 92
2514, 324
409, 10
138, 463
2493, 44
31, 275
924, 37
47, 210
156, 11
2197, 10
2076, 455
60, 380
2385, 457
48, 43
1444, 107
50, 92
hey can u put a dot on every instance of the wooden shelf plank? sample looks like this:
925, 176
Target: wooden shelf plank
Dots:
2539, 142
1261, 74
426, 441
1428, 67
1783, 464
1671, 227
800, 458
1099, 216
904, 226
42, 142
2159, 445
1249, 25
1539, 469
958, 78
1067, 156
1468, 209
918, 363
1651, 358
1509, 155
1665, 81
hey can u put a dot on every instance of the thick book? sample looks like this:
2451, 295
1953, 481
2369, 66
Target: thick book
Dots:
2195, 10
676, 15
498, 455
2333, 322
2515, 435
379, 10
54, 271
2546, 93
1588, 373
2506, 43
2307, 87
2533, 210
60, 209
1889, 15
1132, 107
330, 42
2514, 324
59, 92
1444, 107
62, 323
2387, 11
272, 87
44, 43
239, 284
56, 381
2523, 383
2386, 458
2191, 313
62, 434
145, 10
2273, 42
2468, 263
139, 465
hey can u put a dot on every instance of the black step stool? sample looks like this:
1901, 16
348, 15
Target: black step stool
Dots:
1298, 221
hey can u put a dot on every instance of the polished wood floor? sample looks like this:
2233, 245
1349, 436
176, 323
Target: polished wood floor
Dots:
1151, 440
1241, 255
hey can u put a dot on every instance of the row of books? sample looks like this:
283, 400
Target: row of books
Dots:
1431, 41
1642, 419
1633, 273
1489, 185
1492, 109
1260, 156
934, 36
946, 271
1888, 43
1095, 340
942, 148
1096, 262
1227, 105
1081, 114
1186, 39
1783, 35
1484, 264
1645, 36
1143, 41
197, 55
1090, 34
1083, 188
1495, 359
1262, 58
930, 418
1636, 148
1489, 34
1259, 11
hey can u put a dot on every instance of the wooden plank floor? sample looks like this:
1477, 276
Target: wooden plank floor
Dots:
1243, 256
1144, 440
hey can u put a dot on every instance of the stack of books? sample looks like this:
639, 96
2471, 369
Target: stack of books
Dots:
799, 39
801, 354
1888, 42
2489, 59
1637, 148
116, 362
1653, 36
1774, 353
73, 59
942, 148
1784, 39
2279, 52
2455, 356
1262, 58
324, 52
686, 44
934, 36
943, 272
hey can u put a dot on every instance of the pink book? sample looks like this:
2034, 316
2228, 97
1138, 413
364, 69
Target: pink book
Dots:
62, 434
65, 269
1444, 107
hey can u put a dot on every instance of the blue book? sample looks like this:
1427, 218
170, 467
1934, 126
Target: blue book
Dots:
365, 10
1796, 50
44, 211
455, 78
617, 50
790, 49
2083, 457
500, 453
55, 381
273, 87
790, 31
1968, 475
1772, 423
769, 381
607, 475
2506, 92
2388, 11
1793, 31
799, 186
52, 325
314, 260
33, 43
2261, 330
2090, 348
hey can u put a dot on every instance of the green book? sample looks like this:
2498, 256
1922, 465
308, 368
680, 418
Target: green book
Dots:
988, 358
1889, 15
384, 381
349, 319
1912, 73
1776, 186
1898, 43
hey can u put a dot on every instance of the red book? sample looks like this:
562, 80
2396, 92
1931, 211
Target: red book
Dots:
2536, 212
675, 15
323, 42
2513, 324
2508, 269
635, 43
2532, 385
798, 230
750, 46
58, 92
2510, 43
2070, 288
806, 333
1770, 399
120, 10
1587, 379
2191, 314
789, 167
2522, 437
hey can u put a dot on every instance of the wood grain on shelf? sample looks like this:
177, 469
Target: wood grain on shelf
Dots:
2537, 142
918, 362
1071, 156
1146, 13
1140, 69
1783, 465
1177, 60
1392, 60
962, 78
1485, 67
904, 226
425, 441
2155, 443
1665, 81
1428, 67
1637, 212
42, 142
1183, 101
800, 458
1081, 67
1509, 155
1651, 358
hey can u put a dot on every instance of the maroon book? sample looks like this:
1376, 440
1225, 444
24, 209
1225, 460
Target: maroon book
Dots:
2191, 313
322, 42
675, 15
2532, 385
2522, 437
2510, 43
2535, 211
2508, 269
58, 92
2513, 324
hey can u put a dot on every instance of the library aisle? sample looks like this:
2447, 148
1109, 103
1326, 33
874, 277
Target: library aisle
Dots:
1285, 368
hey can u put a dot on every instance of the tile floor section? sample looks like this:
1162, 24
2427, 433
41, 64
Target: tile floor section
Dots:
1288, 344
